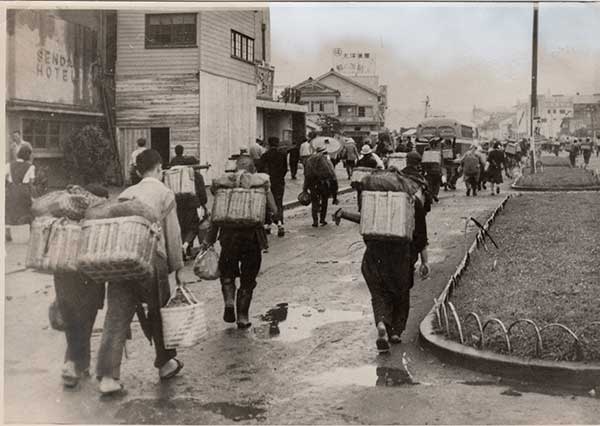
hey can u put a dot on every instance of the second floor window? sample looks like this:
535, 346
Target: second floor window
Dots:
171, 30
242, 47
361, 111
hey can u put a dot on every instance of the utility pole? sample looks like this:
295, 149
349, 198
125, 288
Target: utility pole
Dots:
534, 70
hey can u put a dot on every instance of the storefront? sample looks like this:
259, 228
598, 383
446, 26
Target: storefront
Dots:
286, 121
51, 87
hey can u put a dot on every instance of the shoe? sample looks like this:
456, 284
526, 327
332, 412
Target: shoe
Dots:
323, 223
229, 314
268, 230
436, 199
171, 373
110, 386
315, 224
497, 190
383, 345
468, 192
335, 202
395, 339
474, 194
69, 375
280, 231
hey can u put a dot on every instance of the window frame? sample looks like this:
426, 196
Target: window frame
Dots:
364, 111
64, 130
240, 47
150, 44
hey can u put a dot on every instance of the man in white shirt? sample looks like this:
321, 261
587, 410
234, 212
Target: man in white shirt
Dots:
305, 151
16, 144
134, 178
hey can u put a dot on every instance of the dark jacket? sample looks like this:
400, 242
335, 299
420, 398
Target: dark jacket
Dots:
367, 161
274, 163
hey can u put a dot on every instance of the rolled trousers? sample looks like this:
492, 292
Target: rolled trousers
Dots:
319, 199
78, 302
122, 300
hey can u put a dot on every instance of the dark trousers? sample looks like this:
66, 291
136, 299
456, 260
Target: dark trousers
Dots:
319, 200
434, 181
242, 258
78, 303
388, 269
573, 160
278, 190
472, 182
586, 157
122, 300
294, 159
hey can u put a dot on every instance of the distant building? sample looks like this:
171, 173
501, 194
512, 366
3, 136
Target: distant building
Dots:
359, 108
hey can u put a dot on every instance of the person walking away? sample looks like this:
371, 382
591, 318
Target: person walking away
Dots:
319, 179
19, 180
496, 162
586, 150
256, 151
597, 146
241, 256
351, 156
573, 153
413, 171
294, 154
134, 176
125, 299
78, 301
274, 163
471, 169
482, 162
188, 204
368, 159
389, 268
305, 151
433, 175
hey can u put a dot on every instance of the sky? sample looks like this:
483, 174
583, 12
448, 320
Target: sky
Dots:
457, 54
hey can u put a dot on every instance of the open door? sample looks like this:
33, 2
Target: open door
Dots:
160, 141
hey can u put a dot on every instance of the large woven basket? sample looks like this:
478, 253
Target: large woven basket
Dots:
184, 325
448, 154
118, 249
511, 148
387, 216
397, 160
432, 157
180, 179
61, 204
239, 207
359, 173
53, 245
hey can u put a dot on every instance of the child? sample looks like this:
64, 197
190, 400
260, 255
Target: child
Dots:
124, 299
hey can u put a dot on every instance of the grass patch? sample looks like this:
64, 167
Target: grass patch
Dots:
547, 270
553, 161
559, 177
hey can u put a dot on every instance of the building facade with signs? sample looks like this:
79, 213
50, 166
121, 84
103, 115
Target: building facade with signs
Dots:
200, 79
359, 108
56, 61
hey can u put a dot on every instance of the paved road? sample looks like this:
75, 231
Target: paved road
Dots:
319, 366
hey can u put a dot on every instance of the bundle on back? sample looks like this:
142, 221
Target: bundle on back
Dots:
71, 203
122, 208
240, 199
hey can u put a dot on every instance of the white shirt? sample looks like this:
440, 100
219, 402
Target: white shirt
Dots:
29, 175
135, 153
305, 149
380, 164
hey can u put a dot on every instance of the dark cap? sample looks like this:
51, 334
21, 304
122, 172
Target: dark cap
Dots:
413, 158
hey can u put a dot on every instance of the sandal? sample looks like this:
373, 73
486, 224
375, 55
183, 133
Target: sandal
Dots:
174, 372
112, 391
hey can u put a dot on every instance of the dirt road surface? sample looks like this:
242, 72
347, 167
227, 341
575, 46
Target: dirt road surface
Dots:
314, 363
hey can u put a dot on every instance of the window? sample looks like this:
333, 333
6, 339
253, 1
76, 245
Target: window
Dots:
321, 107
47, 134
170, 30
361, 111
242, 47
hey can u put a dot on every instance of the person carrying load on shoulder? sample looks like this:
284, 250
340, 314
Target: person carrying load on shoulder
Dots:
78, 301
321, 182
392, 250
241, 244
471, 169
125, 299
188, 204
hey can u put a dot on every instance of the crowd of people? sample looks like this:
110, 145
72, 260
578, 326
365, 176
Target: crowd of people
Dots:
388, 267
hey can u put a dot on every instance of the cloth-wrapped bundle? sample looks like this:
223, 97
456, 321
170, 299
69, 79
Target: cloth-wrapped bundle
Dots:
242, 179
389, 181
122, 208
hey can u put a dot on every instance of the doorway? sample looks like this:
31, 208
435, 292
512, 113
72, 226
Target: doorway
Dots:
159, 141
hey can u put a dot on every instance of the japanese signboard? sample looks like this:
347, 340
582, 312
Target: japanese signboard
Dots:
354, 63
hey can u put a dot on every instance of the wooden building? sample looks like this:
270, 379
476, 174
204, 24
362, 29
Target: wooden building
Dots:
192, 78
359, 107
56, 64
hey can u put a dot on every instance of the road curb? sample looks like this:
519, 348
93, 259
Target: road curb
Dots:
556, 189
559, 373
295, 203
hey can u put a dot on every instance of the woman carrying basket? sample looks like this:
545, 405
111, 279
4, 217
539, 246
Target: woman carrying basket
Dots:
125, 299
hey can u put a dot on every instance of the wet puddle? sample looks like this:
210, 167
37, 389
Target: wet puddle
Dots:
186, 411
368, 375
291, 323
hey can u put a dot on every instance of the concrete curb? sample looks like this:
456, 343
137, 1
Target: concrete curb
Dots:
295, 203
563, 373
556, 189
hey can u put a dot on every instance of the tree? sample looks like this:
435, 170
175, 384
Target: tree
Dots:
330, 126
88, 156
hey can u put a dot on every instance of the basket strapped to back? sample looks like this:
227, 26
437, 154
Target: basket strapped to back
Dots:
387, 215
53, 245
180, 179
239, 207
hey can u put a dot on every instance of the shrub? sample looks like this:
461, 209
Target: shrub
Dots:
88, 156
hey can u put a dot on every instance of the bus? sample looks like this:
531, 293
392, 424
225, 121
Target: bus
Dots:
446, 128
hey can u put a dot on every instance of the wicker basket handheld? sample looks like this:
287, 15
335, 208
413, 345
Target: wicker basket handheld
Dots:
183, 320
